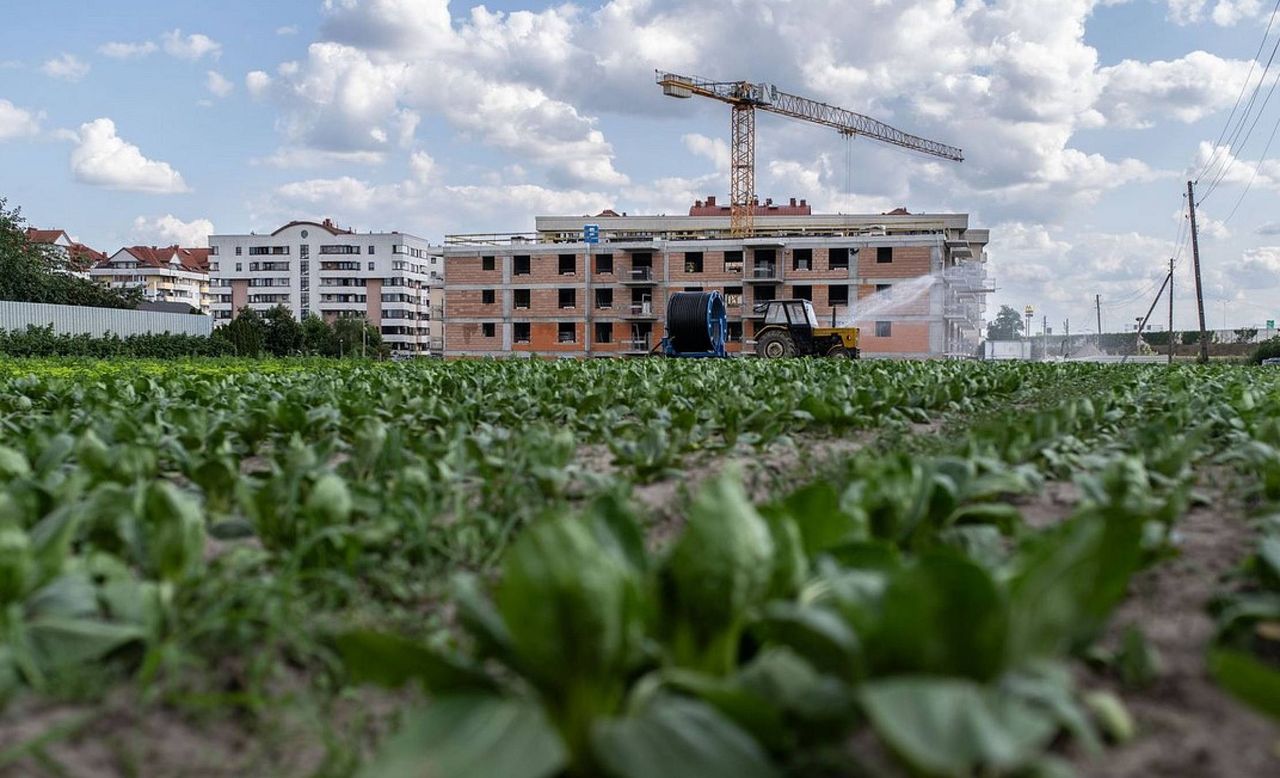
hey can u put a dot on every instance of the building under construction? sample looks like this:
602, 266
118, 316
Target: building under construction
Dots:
551, 293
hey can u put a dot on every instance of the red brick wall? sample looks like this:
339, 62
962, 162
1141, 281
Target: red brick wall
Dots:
908, 262
469, 336
909, 337
467, 303
468, 270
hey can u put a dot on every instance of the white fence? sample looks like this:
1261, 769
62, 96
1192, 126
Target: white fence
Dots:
82, 320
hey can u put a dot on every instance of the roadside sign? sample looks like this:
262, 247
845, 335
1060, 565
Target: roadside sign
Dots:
591, 233
1271, 324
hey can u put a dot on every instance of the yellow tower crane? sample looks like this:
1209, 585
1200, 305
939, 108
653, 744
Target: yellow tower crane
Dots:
745, 97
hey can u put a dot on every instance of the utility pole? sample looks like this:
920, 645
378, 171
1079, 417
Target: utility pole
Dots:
1195, 258
1097, 303
1171, 310
1044, 334
1066, 344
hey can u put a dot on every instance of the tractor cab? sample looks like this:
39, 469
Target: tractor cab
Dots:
791, 329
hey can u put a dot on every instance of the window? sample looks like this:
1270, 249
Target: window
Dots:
604, 298
488, 263
881, 288
490, 329
764, 294
488, 296
520, 298
520, 332
371, 251
568, 298
693, 262
838, 259
802, 293
239, 250
884, 255
802, 259
567, 332
604, 332
733, 296
604, 264
734, 333
838, 295
520, 265
213, 251
733, 262
568, 264
371, 266
304, 266
884, 329
239, 265
304, 252
339, 249
258, 251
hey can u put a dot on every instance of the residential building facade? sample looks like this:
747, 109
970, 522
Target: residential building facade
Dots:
76, 258
550, 293
315, 267
168, 274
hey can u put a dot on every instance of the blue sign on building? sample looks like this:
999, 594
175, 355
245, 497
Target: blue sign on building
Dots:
591, 233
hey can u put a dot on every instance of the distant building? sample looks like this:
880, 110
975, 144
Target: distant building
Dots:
386, 278
167, 275
77, 258
915, 283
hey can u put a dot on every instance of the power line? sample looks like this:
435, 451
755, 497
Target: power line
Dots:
1252, 64
1256, 169
1228, 158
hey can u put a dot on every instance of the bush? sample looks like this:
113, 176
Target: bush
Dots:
42, 342
1267, 349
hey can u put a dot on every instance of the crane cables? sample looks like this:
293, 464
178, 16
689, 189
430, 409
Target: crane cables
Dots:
1221, 161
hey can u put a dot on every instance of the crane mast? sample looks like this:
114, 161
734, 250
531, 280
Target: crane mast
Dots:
745, 98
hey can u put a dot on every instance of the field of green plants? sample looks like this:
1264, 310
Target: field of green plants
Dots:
635, 569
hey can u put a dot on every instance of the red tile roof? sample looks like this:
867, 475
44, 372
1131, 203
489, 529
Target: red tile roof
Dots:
191, 260
45, 236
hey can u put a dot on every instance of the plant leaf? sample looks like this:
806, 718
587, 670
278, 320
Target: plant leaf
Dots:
678, 738
472, 737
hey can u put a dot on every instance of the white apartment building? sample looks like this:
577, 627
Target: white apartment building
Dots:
315, 267
168, 274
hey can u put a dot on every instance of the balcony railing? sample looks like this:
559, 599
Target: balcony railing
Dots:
638, 275
764, 272
638, 345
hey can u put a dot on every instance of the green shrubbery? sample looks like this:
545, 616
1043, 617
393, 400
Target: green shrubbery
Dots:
1267, 349
43, 342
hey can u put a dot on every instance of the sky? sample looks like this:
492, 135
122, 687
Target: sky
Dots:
161, 121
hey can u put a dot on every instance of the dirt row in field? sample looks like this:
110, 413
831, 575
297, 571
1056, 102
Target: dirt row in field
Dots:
1187, 725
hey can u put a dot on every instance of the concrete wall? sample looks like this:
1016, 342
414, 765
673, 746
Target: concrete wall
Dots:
82, 320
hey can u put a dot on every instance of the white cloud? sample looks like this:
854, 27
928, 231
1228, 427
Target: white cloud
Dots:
190, 47
257, 83
169, 230
1223, 13
291, 29
294, 157
17, 122
116, 50
66, 67
714, 149
218, 85
1187, 89
103, 158
423, 167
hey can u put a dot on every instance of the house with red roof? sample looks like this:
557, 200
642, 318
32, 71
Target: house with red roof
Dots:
76, 258
168, 274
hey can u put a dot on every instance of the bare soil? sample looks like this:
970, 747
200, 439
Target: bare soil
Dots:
1188, 726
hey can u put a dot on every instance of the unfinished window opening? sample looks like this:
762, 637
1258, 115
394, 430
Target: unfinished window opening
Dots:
520, 265
568, 264
567, 332
884, 255
802, 259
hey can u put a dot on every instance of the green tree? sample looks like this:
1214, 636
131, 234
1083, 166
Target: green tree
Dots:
1007, 325
282, 334
246, 333
34, 273
357, 338
317, 337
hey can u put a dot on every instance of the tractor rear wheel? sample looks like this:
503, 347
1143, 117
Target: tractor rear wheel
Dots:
775, 345
838, 351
